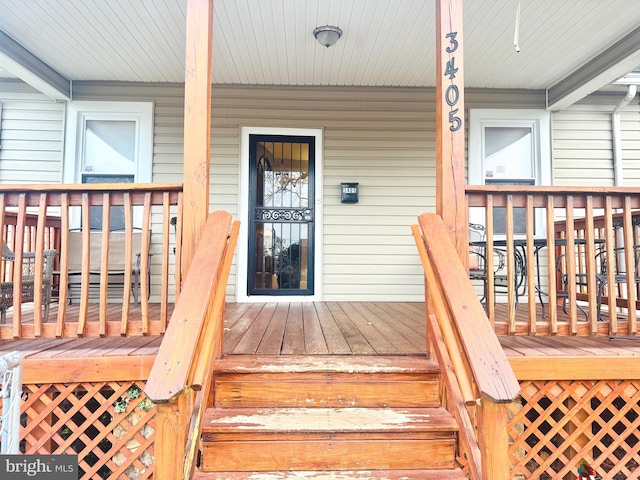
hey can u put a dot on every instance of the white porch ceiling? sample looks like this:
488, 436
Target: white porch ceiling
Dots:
269, 42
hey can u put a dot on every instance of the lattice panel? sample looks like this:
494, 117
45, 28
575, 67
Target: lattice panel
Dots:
110, 425
556, 425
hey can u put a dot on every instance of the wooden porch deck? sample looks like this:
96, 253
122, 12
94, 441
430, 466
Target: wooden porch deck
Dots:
338, 328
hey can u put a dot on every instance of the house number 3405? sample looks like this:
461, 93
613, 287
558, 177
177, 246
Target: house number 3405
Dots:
452, 94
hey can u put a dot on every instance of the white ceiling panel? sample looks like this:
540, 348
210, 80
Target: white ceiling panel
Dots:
270, 42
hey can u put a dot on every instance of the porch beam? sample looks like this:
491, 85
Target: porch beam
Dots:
610, 65
19, 61
450, 124
197, 124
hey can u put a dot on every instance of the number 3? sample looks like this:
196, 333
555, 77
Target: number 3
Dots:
454, 43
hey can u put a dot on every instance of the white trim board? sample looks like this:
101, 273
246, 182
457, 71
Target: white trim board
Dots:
243, 238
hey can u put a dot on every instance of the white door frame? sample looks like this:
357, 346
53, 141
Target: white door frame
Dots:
243, 238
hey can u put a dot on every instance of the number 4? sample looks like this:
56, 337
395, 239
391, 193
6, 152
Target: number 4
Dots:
451, 69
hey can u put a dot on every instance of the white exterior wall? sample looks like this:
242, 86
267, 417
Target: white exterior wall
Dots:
31, 135
630, 134
384, 139
582, 143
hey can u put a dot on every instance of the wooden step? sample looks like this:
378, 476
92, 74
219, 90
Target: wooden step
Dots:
325, 381
453, 474
327, 439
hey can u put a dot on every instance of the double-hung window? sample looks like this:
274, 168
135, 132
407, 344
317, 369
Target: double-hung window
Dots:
509, 147
108, 142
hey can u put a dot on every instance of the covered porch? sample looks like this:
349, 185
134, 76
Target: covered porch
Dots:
215, 365
331, 339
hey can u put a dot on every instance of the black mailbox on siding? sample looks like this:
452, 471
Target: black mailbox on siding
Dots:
349, 192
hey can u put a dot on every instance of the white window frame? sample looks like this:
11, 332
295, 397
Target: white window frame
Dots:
243, 238
80, 111
540, 123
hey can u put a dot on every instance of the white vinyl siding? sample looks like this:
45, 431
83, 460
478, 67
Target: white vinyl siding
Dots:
582, 148
31, 135
384, 139
630, 134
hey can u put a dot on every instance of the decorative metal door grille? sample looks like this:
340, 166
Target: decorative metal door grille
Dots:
281, 215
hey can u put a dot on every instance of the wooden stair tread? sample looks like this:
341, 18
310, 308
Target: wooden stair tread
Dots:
326, 364
453, 474
326, 420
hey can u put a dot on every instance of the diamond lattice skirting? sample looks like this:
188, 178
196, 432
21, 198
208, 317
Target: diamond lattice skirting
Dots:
557, 424
110, 425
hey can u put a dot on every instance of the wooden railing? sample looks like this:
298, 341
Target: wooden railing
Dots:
29, 235
36, 218
589, 228
180, 380
478, 380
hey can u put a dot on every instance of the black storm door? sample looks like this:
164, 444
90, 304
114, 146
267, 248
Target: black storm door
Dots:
281, 215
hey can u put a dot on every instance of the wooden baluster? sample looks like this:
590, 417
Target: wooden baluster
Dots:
490, 296
511, 272
3, 231
38, 273
17, 267
611, 266
178, 259
531, 266
590, 252
570, 257
551, 267
63, 264
104, 263
630, 265
86, 259
144, 263
128, 263
164, 287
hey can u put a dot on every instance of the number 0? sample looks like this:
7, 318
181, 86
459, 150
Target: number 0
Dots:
452, 95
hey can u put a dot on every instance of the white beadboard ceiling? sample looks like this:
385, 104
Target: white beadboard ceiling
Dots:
269, 42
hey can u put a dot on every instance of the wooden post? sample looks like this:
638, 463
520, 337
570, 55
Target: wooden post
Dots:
493, 439
450, 124
172, 429
197, 124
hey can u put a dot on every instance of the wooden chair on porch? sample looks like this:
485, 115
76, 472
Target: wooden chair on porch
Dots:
28, 280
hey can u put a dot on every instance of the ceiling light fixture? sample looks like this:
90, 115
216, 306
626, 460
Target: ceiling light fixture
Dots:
327, 35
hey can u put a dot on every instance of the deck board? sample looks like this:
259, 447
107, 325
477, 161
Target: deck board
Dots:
348, 328
336, 342
314, 340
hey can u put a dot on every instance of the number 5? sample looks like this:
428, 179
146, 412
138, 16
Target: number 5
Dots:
456, 122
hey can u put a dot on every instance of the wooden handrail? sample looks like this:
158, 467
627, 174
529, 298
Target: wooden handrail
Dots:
175, 359
180, 379
491, 370
474, 367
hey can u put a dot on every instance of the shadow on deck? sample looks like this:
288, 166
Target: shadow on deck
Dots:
101, 377
320, 328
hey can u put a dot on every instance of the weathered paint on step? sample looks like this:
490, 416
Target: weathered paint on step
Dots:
454, 474
326, 420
